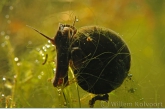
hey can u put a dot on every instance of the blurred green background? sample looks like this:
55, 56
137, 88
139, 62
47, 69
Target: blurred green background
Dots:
25, 82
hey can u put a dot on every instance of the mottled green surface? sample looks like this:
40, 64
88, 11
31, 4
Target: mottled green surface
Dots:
25, 82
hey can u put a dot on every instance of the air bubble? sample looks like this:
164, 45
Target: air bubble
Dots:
11, 7
7, 37
49, 41
16, 59
3, 95
7, 16
47, 46
3, 78
76, 20
43, 47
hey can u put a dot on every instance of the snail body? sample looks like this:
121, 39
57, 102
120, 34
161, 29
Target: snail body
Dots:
98, 56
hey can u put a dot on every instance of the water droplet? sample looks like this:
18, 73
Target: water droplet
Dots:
3, 95
6, 16
11, 7
2, 33
54, 69
3, 78
16, 59
7, 37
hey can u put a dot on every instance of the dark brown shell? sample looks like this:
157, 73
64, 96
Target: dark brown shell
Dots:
101, 59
